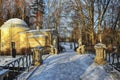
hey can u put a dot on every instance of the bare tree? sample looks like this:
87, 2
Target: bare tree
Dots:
37, 9
53, 15
1, 19
91, 15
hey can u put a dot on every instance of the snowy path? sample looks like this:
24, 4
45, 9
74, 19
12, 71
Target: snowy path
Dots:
70, 66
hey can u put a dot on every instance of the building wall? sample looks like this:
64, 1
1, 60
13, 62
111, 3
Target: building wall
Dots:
22, 39
9, 35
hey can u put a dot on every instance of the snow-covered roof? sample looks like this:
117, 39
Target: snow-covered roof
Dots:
32, 31
15, 22
44, 30
41, 30
36, 36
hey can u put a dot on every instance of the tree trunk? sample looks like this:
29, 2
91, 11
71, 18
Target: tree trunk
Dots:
93, 38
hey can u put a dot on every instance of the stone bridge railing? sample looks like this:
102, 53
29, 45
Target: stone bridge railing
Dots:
104, 55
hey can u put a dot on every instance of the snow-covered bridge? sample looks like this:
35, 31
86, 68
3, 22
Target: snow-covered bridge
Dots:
70, 66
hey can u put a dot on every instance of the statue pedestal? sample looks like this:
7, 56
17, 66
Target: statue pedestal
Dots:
100, 53
53, 50
81, 49
37, 57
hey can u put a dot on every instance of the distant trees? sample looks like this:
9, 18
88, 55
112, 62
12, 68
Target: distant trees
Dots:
12, 9
37, 12
1, 19
111, 21
89, 16
32, 12
53, 13
93, 16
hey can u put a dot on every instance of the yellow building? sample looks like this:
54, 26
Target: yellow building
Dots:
10, 34
16, 31
36, 38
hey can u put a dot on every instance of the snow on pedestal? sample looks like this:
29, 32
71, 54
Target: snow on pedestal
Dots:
100, 53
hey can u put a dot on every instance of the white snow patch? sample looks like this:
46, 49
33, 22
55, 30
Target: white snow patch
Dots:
95, 72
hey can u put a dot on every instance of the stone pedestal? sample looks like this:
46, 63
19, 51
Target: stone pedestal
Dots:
53, 50
37, 57
81, 49
100, 53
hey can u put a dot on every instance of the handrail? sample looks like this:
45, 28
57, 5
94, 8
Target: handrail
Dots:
19, 62
113, 59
